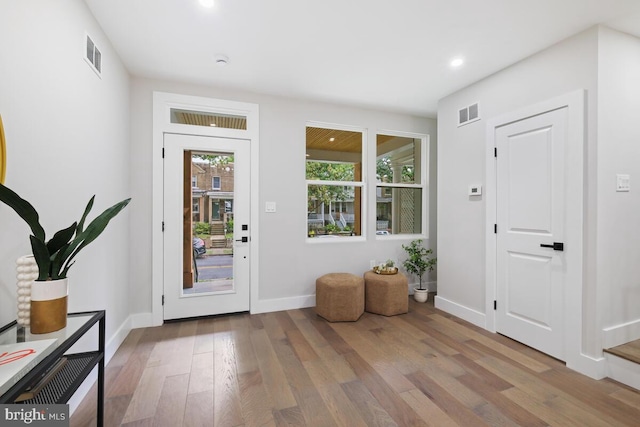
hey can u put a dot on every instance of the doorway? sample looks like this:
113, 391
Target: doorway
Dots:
535, 211
206, 246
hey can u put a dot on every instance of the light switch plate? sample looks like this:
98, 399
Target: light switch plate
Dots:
623, 182
270, 207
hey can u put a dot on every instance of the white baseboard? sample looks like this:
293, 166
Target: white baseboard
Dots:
279, 304
431, 287
465, 313
620, 334
592, 367
623, 370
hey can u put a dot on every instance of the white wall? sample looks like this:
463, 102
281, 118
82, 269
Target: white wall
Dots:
67, 137
563, 68
618, 153
288, 264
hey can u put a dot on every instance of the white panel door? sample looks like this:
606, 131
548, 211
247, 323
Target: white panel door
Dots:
530, 241
221, 276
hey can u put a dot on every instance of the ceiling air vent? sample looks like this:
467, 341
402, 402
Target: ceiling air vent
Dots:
93, 56
468, 114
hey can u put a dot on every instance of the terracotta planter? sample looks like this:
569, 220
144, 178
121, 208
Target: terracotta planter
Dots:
49, 305
420, 295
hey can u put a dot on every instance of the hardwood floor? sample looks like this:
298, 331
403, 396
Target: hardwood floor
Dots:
424, 368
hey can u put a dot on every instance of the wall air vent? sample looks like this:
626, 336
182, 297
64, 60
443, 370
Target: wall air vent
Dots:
468, 114
93, 56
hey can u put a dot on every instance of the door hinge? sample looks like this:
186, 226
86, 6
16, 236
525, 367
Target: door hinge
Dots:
495, 228
162, 226
162, 299
163, 152
495, 152
495, 304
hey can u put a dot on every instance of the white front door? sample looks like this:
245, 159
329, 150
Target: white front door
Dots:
531, 267
213, 280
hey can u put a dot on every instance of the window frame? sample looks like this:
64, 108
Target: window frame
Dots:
424, 141
213, 183
362, 184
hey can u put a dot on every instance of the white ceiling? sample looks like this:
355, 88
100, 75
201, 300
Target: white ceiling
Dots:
382, 54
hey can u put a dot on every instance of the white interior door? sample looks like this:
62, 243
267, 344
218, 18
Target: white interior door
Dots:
220, 277
531, 271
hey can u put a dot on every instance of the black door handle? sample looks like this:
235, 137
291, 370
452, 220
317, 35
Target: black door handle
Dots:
557, 246
245, 239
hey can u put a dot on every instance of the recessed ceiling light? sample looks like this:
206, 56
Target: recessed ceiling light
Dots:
213, 124
457, 62
206, 3
331, 139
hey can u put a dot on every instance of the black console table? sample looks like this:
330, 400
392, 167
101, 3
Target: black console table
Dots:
73, 373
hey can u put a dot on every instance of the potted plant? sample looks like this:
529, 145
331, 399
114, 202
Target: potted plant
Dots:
55, 257
418, 262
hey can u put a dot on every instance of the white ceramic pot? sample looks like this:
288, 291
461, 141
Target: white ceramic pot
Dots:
49, 305
420, 295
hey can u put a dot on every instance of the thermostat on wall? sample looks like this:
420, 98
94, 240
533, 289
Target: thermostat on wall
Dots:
475, 190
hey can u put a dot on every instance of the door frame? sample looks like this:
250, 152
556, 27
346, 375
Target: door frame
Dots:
162, 104
574, 215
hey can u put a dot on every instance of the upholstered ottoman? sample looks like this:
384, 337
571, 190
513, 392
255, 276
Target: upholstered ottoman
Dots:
340, 297
386, 294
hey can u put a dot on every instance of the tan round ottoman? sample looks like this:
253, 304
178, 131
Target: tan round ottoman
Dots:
386, 294
340, 297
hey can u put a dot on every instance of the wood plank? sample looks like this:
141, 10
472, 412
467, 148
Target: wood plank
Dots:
340, 369
386, 364
202, 378
173, 400
306, 395
204, 336
491, 391
446, 401
343, 411
539, 409
256, 402
289, 417
386, 396
227, 407
451, 326
275, 382
146, 396
368, 406
582, 389
427, 410
629, 351
199, 409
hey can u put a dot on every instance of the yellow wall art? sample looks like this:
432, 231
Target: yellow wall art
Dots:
3, 154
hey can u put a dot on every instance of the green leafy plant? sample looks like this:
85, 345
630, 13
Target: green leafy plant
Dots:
56, 256
331, 228
419, 259
201, 228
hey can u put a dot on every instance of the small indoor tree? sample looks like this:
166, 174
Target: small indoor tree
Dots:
419, 260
